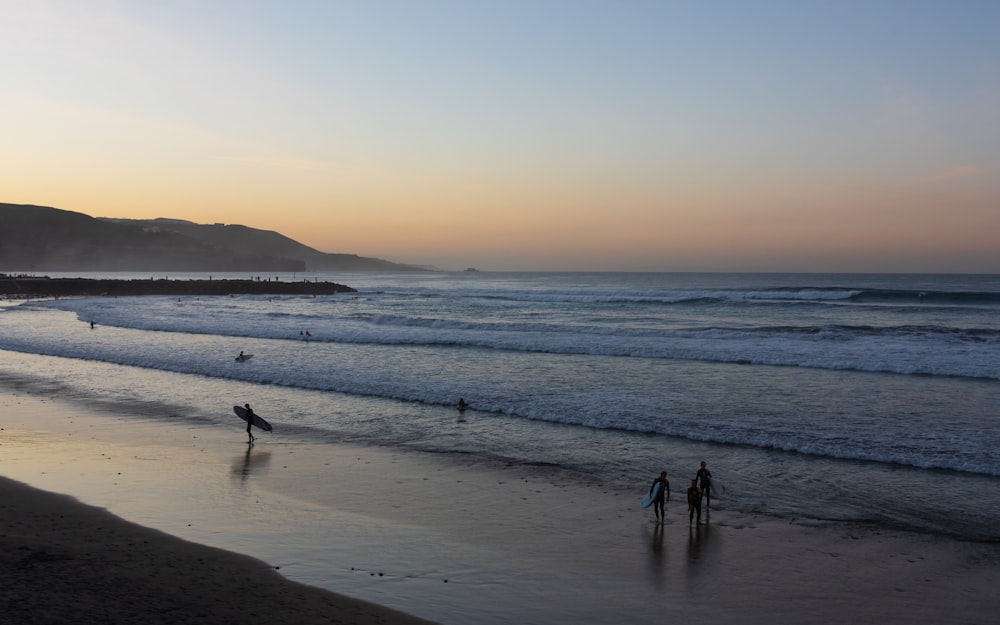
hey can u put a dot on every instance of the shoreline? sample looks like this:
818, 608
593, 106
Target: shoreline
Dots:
62, 561
13, 287
452, 542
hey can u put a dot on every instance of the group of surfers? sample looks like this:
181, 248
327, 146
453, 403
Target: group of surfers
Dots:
701, 487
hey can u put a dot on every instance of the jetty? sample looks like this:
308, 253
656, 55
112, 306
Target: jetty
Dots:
22, 287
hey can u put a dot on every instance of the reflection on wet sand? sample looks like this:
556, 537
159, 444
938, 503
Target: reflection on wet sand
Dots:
658, 557
702, 553
253, 461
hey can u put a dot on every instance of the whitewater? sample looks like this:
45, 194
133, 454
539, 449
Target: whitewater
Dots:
845, 397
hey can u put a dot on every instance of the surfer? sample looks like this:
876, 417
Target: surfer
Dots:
662, 496
250, 416
240, 357
694, 501
461, 404
704, 478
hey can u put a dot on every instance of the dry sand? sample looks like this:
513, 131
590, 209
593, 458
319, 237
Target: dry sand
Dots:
456, 544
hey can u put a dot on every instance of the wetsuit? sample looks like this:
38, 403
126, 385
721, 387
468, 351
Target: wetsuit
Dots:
694, 503
661, 497
705, 482
250, 423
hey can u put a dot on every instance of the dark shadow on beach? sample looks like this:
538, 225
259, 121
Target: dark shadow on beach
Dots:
253, 461
657, 561
704, 548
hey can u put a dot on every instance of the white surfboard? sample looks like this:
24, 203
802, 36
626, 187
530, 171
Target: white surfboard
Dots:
718, 488
648, 500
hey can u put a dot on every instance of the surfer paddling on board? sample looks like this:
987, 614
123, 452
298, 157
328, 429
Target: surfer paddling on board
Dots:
662, 496
249, 423
704, 478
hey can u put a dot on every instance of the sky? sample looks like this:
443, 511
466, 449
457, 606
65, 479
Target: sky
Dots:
522, 135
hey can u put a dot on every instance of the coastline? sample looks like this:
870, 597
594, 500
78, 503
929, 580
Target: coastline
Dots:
455, 543
21, 287
62, 561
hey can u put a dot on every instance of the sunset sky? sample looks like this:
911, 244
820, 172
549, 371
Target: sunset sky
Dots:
524, 135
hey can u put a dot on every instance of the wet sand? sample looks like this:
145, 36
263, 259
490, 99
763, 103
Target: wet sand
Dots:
449, 541
65, 562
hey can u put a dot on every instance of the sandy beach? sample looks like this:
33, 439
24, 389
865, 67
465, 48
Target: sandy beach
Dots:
65, 562
333, 536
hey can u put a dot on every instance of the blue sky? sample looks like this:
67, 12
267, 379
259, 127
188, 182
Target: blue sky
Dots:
836, 136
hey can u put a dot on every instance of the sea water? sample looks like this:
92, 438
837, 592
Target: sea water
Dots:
868, 398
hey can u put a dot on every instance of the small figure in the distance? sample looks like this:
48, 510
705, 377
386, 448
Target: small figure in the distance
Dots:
462, 405
694, 501
662, 496
250, 416
241, 357
704, 477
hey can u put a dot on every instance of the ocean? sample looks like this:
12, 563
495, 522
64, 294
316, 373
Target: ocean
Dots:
834, 397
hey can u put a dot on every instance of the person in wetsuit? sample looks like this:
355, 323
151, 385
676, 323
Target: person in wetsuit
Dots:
694, 501
250, 416
661, 497
704, 478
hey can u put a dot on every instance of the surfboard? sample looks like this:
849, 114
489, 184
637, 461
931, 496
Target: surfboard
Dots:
718, 488
244, 357
241, 412
648, 500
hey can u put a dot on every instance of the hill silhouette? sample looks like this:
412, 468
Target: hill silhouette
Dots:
41, 238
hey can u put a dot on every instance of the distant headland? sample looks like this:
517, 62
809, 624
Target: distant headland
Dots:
40, 238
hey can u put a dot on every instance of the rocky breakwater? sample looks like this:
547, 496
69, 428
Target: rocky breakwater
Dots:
26, 287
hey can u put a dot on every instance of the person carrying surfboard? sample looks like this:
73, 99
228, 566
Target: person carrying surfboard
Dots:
704, 478
662, 496
249, 423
